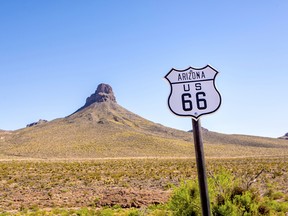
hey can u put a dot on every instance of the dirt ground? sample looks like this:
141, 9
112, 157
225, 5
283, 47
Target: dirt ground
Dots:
124, 183
79, 197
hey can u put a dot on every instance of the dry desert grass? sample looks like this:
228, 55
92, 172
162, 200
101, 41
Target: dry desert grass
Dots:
35, 185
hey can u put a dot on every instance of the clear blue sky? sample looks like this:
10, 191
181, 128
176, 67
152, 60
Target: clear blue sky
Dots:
53, 54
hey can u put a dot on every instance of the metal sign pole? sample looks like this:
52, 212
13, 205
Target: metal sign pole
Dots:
193, 93
202, 179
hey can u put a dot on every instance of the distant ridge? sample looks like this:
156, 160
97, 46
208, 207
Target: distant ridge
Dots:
284, 137
41, 121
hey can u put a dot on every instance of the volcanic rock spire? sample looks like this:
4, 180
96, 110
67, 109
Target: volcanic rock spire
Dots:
103, 93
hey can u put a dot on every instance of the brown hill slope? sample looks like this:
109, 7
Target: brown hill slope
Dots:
102, 128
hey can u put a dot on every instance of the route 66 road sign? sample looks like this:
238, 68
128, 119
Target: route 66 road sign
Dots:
193, 91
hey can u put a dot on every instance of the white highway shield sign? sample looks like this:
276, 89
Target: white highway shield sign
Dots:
193, 91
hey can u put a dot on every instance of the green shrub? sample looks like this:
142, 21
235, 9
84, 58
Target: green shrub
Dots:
227, 197
185, 199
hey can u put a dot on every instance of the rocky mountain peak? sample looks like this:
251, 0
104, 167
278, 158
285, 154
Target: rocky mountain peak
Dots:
103, 93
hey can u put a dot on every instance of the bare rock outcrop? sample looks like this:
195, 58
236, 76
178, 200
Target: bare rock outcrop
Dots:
41, 121
284, 137
103, 93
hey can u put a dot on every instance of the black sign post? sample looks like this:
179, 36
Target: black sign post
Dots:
201, 169
193, 94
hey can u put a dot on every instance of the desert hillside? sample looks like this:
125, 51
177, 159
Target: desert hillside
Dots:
104, 129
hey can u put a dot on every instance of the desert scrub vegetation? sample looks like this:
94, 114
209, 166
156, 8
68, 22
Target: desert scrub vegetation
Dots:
228, 196
139, 186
